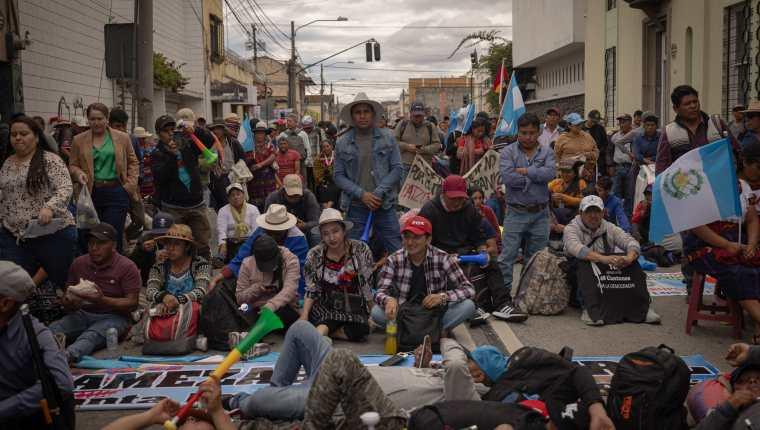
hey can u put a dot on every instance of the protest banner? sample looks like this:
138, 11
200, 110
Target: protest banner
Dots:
421, 184
141, 388
485, 173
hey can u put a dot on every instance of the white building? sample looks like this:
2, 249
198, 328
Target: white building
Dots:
66, 56
548, 51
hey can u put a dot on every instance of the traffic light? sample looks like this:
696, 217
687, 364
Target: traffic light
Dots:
474, 58
377, 51
368, 48
465, 99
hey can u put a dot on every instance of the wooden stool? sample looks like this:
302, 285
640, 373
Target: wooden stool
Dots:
727, 311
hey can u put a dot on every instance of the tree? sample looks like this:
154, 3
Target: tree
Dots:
490, 62
167, 74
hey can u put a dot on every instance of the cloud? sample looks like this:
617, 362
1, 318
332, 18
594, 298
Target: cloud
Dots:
417, 49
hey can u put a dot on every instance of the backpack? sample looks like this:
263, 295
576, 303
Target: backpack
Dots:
543, 289
405, 122
173, 334
222, 316
415, 321
648, 391
459, 414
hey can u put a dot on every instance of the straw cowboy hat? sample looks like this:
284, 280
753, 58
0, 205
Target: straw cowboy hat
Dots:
345, 113
179, 232
276, 218
141, 133
231, 117
331, 215
754, 107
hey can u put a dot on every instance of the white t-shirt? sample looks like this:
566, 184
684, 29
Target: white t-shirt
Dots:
225, 224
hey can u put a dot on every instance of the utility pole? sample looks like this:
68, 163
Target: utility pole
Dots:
144, 35
332, 104
292, 68
255, 47
321, 92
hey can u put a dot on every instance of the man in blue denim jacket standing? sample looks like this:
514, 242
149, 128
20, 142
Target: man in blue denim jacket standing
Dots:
368, 170
526, 168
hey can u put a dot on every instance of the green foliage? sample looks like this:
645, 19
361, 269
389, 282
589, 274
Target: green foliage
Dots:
490, 62
167, 74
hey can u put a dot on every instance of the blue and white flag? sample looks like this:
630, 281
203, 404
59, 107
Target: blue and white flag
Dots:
697, 189
511, 110
468, 118
245, 135
452, 122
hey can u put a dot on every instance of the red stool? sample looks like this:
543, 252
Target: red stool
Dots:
727, 311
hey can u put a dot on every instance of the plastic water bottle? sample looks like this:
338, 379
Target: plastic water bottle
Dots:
112, 339
390, 337
244, 307
370, 419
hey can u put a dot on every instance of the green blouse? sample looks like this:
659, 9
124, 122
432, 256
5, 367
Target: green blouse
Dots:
104, 160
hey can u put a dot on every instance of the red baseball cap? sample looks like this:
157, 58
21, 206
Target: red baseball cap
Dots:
454, 186
536, 405
418, 225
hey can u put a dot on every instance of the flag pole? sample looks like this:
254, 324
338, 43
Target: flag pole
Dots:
502, 74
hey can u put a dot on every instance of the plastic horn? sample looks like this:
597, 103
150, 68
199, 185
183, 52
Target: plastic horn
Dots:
367, 227
479, 259
267, 322
209, 156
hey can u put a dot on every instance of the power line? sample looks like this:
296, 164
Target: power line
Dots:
411, 27
396, 70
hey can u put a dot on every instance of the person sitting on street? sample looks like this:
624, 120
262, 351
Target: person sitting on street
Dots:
566, 195
183, 277
327, 192
280, 225
145, 253
337, 273
117, 282
269, 279
580, 241
613, 204
235, 222
478, 200
300, 202
20, 388
576, 144
212, 417
423, 273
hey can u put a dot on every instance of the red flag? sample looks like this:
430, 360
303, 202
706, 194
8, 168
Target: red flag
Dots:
500, 77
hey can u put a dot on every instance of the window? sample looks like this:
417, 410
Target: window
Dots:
610, 86
736, 56
216, 28
611, 4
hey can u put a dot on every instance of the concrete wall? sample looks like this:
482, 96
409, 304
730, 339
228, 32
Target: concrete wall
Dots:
560, 77
594, 55
541, 27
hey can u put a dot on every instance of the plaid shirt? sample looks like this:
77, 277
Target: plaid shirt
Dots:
442, 274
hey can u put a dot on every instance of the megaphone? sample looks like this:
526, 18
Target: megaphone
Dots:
367, 227
479, 259
267, 322
209, 157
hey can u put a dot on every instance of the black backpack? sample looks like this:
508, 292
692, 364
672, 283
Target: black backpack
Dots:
532, 371
648, 391
459, 414
221, 315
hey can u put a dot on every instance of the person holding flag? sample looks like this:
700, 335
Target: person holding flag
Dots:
233, 152
472, 146
512, 109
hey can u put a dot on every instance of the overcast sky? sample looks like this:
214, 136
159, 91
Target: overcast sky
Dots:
422, 51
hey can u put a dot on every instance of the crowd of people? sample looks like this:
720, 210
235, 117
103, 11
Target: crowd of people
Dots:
308, 225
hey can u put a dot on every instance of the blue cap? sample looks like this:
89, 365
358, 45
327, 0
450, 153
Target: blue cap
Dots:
161, 223
574, 118
490, 360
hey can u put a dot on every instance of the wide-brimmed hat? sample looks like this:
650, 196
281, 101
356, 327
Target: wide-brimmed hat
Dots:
345, 113
231, 117
179, 232
331, 215
754, 107
276, 218
217, 123
187, 114
141, 133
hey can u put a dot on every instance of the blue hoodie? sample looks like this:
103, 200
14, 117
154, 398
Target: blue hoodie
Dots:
295, 242
614, 213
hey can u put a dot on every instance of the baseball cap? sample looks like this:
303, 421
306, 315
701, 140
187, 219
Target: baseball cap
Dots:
15, 282
490, 360
293, 185
454, 186
417, 107
649, 116
574, 118
624, 116
307, 120
164, 121
591, 201
553, 109
235, 186
418, 225
594, 115
161, 223
267, 253
104, 231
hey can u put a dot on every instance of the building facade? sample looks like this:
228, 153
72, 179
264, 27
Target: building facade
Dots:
548, 53
442, 95
637, 51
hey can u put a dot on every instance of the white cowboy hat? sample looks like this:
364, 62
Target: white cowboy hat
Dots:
140, 133
330, 215
345, 113
276, 218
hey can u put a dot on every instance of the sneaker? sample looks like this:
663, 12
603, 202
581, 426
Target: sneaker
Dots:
510, 314
587, 319
652, 317
481, 317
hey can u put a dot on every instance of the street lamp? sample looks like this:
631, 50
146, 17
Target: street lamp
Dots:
292, 68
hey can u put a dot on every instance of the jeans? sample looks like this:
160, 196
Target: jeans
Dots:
88, 330
455, 314
197, 220
112, 204
303, 346
218, 188
405, 169
385, 226
519, 225
620, 184
53, 252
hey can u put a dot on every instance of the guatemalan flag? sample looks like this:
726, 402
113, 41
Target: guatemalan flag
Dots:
697, 189
469, 117
245, 135
511, 110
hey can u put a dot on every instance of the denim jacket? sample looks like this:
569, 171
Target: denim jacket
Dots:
386, 168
